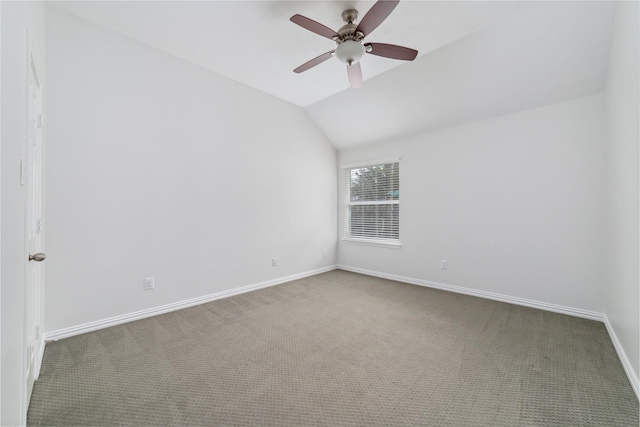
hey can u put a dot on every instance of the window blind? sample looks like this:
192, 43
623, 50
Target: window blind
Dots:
373, 202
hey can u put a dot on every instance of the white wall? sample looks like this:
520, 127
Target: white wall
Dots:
157, 167
17, 17
622, 188
514, 203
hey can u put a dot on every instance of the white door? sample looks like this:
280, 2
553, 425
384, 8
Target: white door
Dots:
34, 230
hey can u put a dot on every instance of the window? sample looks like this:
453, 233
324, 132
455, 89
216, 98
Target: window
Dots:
373, 202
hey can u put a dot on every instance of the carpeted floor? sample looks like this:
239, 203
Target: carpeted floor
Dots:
339, 349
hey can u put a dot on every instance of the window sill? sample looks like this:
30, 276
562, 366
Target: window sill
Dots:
392, 244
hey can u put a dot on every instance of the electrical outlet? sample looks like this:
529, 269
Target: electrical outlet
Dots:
444, 264
324, 253
274, 262
149, 283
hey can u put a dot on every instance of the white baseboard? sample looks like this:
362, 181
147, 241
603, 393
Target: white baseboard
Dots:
130, 317
626, 364
577, 312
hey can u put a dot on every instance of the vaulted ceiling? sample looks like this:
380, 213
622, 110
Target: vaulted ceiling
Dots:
477, 59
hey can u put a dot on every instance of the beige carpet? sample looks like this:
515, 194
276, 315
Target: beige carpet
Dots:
339, 349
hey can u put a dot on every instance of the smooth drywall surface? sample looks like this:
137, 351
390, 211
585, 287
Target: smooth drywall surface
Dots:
160, 168
17, 18
514, 203
622, 188
550, 52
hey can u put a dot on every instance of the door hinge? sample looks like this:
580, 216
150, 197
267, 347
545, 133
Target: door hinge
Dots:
40, 120
23, 172
37, 332
38, 225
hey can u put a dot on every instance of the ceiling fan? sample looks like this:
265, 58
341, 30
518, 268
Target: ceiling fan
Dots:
350, 46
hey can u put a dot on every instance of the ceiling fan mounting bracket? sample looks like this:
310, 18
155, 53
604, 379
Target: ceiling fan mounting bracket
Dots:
349, 16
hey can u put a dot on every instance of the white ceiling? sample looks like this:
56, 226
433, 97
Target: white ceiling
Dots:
549, 53
476, 58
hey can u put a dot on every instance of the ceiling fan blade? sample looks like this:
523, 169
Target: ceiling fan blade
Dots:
392, 51
376, 15
355, 75
314, 26
315, 61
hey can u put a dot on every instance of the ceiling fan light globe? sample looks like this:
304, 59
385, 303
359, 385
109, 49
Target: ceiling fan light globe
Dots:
350, 52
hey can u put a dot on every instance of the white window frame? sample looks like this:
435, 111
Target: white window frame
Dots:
383, 242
